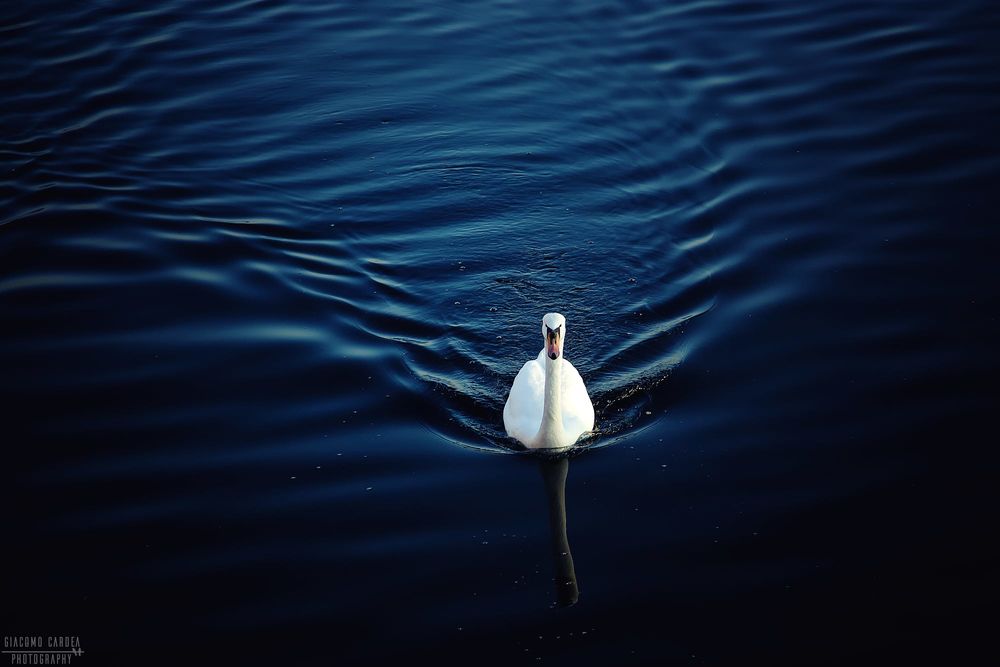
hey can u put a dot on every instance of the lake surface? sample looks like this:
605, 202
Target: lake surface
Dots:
267, 271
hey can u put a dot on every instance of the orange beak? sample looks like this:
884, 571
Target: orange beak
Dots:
552, 343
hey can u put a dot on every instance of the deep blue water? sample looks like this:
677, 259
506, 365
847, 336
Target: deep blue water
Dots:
267, 271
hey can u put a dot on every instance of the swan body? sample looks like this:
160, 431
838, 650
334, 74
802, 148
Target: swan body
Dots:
548, 405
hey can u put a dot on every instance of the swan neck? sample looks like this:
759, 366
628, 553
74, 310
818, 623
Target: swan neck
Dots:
550, 433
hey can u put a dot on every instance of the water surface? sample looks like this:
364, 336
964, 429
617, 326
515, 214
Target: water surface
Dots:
267, 271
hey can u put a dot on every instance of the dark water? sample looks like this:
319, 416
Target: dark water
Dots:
267, 271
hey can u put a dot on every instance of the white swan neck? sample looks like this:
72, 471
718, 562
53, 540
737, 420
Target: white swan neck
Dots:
550, 433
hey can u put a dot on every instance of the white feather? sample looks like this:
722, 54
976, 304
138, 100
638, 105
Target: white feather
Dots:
522, 414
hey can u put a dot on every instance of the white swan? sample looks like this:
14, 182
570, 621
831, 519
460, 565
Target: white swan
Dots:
548, 404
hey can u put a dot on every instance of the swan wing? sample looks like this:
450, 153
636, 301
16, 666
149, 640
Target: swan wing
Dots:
577, 409
522, 414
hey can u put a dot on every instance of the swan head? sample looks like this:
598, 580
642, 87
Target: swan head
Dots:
554, 332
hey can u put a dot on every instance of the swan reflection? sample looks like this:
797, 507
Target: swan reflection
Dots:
554, 473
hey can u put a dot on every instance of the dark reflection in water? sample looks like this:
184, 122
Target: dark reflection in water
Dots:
554, 472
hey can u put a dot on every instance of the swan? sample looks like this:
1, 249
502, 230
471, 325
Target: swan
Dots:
548, 405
